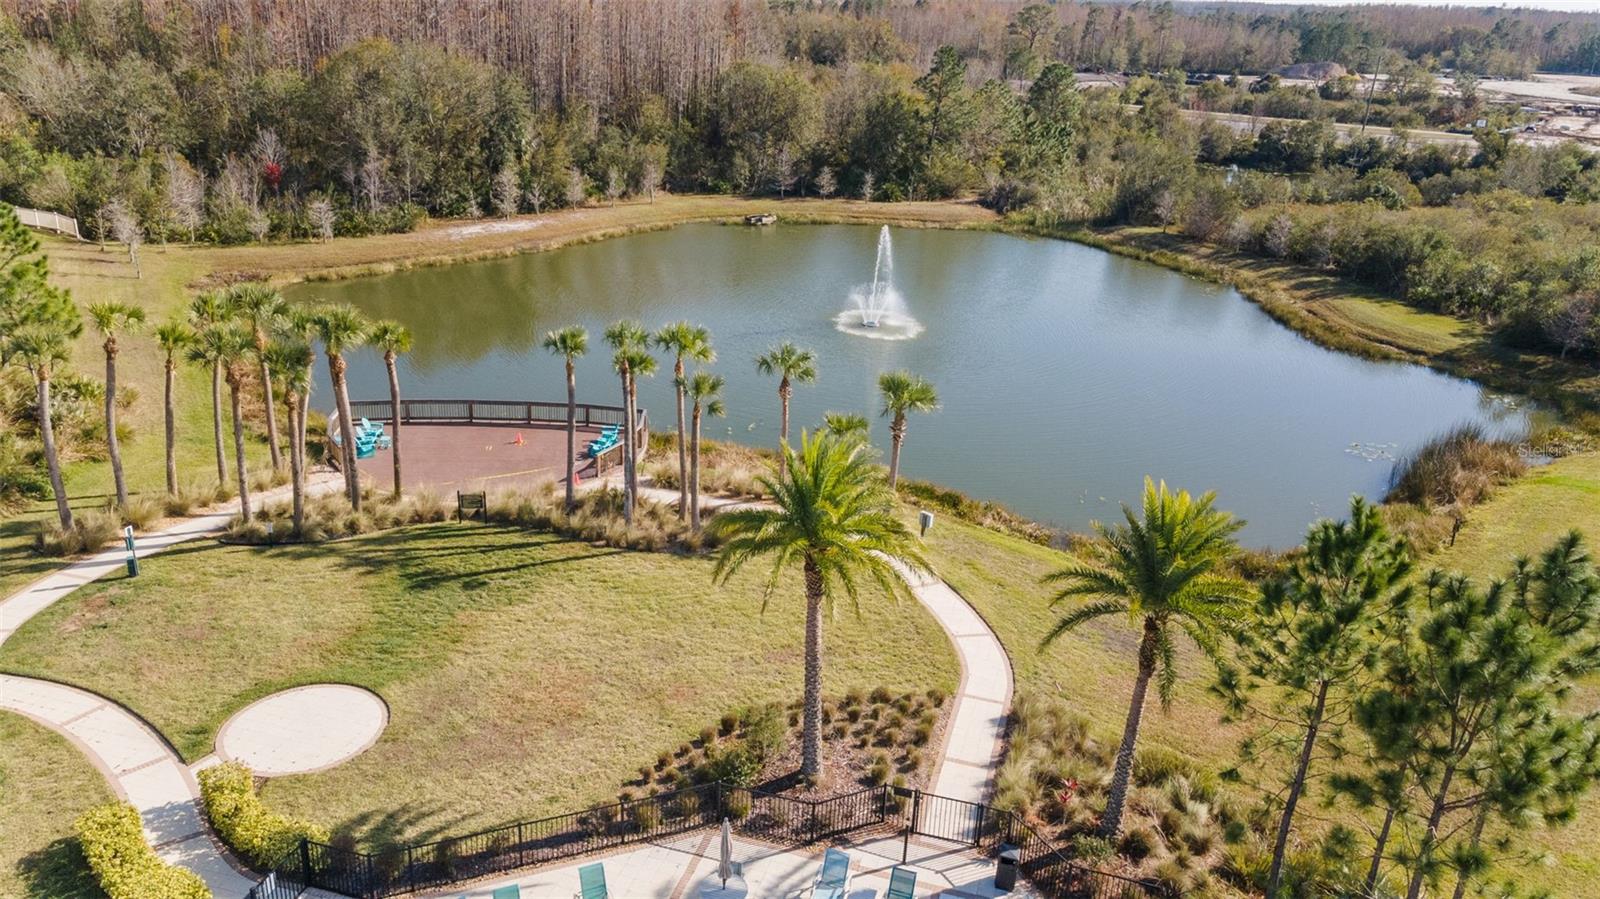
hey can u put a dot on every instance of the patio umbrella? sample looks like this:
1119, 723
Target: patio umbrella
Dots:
725, 863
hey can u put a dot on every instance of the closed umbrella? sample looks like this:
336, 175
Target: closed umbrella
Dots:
725, 865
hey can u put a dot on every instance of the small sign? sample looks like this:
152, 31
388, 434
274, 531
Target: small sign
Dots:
133, 556
925, 518
469, 505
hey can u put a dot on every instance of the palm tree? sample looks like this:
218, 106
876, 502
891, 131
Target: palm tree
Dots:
113, 320
847, 425
627, 339
706, 389
207, 312
300, 326
570, 343
341, 329
262, 307
792, 365
692, 342
1163, 571
234, 347
903, 392
41, 342
393, 339
174, 338
835, 518
292, 357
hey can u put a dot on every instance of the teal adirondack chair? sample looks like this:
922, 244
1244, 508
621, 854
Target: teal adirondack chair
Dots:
510, 892
592, 882
902, 883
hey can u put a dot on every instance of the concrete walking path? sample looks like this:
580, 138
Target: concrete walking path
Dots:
137, 762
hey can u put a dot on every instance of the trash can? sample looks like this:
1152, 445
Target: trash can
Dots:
1005, 868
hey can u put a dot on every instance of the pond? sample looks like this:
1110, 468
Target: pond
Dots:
1066, 374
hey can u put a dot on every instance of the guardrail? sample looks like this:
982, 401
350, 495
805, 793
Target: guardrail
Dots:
770, 817
481, 412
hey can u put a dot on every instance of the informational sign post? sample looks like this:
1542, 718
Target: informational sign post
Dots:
133, 555
925, 518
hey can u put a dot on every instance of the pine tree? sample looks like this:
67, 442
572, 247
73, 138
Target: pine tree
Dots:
1316, 636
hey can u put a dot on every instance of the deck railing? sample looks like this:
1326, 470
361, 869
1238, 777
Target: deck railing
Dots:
489, 412
769, 817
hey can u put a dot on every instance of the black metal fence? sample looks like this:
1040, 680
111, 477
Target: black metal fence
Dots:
770, 817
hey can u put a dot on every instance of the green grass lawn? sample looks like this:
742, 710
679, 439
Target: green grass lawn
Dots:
45, 783
525, 674
1093, 669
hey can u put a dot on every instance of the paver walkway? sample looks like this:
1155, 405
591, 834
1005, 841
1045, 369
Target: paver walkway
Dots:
140, 766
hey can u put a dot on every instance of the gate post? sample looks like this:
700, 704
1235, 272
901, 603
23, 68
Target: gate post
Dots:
911, 822
305, 862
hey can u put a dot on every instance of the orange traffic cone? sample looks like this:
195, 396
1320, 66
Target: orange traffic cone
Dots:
518, 441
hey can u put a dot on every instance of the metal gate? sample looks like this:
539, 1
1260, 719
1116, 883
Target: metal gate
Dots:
943, 818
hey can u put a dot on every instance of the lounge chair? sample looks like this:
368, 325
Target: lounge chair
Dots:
833, 881
592, 882
510, 892
902, 884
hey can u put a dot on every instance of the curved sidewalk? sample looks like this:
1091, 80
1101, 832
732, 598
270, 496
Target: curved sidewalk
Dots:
137, 762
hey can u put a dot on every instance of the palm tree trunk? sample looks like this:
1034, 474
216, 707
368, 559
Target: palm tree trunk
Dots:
897, 436
683, 454
394, 402
1431, 836
783, 425
272, 417
694, 472
347, 432
811, 732
1377, 852
1117, 796
112, 449
1296, 787
171, 410
633, 428
572, 434
238, 448
627, 451
52, 461
216, 423
297, 463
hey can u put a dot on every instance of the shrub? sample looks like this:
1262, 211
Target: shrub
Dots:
90, 531
738, 805
765, 733
259, 836
708, 735
881, 695
1091, 847
729, 723
737, 766
1457, 468
647, 815
126, 867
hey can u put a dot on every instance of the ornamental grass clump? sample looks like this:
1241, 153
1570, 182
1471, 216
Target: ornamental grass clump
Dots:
1458, 468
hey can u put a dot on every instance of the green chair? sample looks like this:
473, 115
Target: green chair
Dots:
902, 883
833, 881
592, 882
510, 892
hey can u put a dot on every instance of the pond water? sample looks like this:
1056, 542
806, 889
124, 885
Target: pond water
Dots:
1066, 374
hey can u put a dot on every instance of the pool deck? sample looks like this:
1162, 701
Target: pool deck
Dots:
678, 867
475, 458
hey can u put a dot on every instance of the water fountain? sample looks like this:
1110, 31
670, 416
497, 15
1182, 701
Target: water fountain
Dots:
879, 311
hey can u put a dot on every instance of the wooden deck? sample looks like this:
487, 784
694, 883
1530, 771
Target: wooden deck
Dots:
480, 457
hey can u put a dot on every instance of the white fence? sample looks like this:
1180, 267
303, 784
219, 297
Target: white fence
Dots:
50, 221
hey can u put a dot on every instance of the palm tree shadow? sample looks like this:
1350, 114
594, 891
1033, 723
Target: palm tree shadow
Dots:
381, 831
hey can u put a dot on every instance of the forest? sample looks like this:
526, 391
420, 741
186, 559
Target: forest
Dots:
216, 122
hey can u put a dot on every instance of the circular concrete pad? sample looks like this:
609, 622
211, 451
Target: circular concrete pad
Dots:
305, 729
